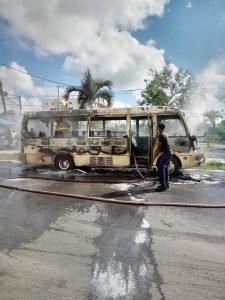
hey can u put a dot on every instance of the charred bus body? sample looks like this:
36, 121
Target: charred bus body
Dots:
106, 137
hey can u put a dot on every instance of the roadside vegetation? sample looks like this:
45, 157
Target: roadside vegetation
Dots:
214, 166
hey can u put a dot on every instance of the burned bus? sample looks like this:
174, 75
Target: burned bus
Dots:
106, 137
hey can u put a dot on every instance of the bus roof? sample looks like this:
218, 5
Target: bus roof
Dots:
110, 111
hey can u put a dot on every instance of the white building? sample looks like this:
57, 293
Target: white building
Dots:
59, 104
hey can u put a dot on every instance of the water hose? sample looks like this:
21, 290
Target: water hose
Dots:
149, 169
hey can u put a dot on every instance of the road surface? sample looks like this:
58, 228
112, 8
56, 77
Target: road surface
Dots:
58, 248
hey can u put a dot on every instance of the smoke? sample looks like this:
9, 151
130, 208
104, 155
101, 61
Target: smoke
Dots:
207, 93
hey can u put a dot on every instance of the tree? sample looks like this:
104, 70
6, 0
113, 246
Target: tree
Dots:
153, 94
212, 116
220, 95
167, 87
220, 131
92, 90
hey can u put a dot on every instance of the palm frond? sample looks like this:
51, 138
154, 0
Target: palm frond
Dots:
69, 90
90, 90
103, 83
105, 95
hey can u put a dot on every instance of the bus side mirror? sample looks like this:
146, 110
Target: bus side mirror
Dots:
194, 142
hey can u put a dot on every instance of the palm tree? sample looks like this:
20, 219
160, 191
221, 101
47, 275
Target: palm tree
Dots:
212, 115
92, 90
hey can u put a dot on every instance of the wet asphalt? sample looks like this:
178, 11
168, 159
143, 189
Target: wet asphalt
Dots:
59, 248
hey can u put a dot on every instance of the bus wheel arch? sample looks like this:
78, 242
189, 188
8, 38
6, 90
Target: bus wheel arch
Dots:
64, 161
175, 165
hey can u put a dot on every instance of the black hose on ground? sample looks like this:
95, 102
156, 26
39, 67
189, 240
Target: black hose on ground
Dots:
108, 200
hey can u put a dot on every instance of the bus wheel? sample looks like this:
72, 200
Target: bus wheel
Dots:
174, 166
64, 162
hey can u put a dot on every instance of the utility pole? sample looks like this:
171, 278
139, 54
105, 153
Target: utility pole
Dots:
3, 98
20, 104
58, 96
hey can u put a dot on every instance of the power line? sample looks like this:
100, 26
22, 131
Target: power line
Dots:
120, 91
61, 83
32, 75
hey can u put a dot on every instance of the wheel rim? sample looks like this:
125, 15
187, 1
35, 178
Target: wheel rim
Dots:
64, 164
171, 167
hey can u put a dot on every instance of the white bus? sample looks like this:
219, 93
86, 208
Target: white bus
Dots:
106, 137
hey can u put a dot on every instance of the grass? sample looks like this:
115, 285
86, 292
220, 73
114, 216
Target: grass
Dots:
9, 155
214, 166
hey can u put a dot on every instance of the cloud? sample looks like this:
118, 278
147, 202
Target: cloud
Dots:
120, 58
214, 73
94, 34
31, 104
189, 4
120, 104
17, 83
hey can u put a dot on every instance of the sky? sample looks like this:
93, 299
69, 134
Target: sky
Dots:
116, 39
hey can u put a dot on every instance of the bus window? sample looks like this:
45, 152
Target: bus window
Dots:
39, 128
174, 127
173, 124
110, 127
62, 127
79, 127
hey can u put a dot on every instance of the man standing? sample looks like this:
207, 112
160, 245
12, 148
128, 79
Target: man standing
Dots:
164, 163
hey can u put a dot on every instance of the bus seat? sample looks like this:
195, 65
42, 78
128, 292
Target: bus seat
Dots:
109, 133
31, 133
75, 133
42, 134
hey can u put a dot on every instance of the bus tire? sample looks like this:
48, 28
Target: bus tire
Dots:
64, 162
174, 165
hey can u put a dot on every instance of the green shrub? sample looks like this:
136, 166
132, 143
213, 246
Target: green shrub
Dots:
214, 166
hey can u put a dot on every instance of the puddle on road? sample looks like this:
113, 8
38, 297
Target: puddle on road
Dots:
81, 175
125, 175
120, 268
97, 184
119, 174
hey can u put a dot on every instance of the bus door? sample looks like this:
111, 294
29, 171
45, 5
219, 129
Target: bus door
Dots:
175, 128
141, 138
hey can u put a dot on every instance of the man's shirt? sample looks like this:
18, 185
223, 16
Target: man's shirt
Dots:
163, 142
